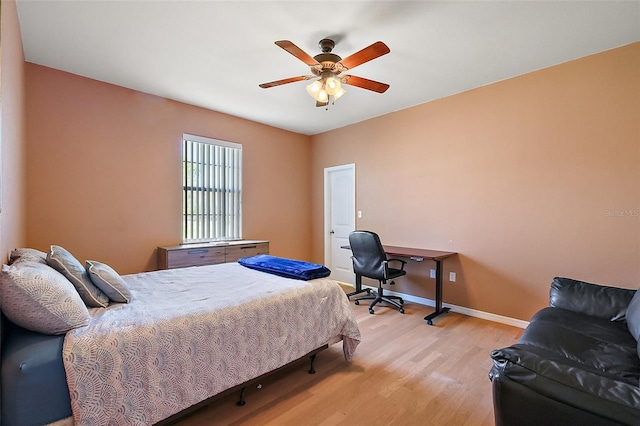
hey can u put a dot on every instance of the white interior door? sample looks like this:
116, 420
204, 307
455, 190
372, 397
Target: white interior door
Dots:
339, 219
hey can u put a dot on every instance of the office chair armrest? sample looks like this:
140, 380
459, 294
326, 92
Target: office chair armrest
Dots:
398, 260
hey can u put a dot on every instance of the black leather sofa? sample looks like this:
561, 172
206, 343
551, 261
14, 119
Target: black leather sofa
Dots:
576, 363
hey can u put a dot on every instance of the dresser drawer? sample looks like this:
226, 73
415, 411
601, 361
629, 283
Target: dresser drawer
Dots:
237, 252
194, 257
209, 253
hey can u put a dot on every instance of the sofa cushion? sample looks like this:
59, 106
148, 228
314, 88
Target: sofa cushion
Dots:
594, 300
64, 262
587, 343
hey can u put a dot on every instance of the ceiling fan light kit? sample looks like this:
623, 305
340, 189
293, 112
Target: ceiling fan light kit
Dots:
327, 67
324, 88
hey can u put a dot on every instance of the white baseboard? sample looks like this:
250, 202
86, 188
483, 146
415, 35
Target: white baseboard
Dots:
459, 309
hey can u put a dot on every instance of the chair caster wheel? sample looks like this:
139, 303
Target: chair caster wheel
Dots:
357, 302
429, 322
371, 311
402, 311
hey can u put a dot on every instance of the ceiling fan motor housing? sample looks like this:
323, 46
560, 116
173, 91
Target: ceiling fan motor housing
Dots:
327, 59
328, 62
326, 45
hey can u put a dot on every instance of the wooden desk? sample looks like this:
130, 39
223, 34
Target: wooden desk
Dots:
417, 255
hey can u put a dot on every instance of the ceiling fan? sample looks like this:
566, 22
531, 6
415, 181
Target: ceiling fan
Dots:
328, 68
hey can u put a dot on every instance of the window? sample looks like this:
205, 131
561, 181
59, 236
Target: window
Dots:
212, 190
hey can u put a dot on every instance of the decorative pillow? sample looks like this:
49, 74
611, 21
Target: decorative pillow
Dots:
27, 255
64, 262
108, 281
633, 316
41, 299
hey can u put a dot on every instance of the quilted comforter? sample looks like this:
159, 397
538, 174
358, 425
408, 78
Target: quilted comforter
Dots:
189, 334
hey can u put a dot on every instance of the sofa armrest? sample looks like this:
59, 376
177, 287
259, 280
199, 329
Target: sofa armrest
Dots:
515, 404
591, 299
565, 382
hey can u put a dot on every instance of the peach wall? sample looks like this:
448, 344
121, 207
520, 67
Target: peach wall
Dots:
104, 171
529, 178
13, 225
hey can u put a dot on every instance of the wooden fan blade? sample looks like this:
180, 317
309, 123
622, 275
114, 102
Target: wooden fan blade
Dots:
297, 52
365, 83
321, 104
286, 81
374, 51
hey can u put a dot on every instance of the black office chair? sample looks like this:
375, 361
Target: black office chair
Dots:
370, 260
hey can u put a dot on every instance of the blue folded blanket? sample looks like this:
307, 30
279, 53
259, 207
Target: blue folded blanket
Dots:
288, 268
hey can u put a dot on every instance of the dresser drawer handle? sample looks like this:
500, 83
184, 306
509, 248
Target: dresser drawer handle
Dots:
197, 251
248, 247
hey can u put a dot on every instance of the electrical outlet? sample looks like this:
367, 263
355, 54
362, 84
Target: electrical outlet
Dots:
452, 277
432, 273
359, 214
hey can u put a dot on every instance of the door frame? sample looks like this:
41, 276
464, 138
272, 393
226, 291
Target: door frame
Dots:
327, 205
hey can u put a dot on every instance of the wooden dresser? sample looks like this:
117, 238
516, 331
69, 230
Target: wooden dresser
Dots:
209, 253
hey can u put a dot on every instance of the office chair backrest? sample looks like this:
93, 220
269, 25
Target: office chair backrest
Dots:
368, 255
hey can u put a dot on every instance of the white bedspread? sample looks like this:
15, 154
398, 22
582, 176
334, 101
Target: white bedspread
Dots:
191, 333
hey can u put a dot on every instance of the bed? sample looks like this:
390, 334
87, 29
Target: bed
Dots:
185, 336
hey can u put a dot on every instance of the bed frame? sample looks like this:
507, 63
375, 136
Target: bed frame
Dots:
242, 388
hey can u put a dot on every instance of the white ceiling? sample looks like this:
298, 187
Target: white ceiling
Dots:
214, 54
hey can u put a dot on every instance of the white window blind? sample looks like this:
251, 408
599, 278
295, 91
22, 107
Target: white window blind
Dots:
212, 189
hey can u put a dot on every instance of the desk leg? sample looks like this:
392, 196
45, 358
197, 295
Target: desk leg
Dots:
358, 288
439, 309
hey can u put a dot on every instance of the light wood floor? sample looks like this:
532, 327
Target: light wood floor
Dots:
404, 373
